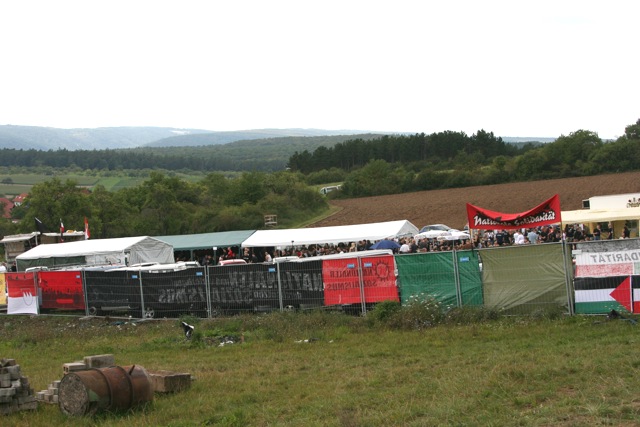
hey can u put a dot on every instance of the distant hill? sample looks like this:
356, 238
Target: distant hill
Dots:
46, 138
219, 138
526, 139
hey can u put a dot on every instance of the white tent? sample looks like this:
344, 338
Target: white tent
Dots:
332, 235
121, 251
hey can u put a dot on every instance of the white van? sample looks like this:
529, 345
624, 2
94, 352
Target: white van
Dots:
327, 190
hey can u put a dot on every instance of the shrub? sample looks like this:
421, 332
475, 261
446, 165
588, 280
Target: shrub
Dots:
420, 312
384, 310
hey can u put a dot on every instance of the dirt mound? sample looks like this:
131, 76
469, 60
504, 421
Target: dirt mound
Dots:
449, 206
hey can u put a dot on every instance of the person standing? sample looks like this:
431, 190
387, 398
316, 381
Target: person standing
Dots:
610, 230
625, 232
597, 232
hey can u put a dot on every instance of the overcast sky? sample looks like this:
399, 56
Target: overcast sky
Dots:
542, 68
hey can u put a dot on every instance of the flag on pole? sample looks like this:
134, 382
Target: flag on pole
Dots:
61, 231
86, 228
39, 226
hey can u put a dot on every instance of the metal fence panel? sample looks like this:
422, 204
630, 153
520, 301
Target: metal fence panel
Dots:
61, 290
113, 292
427, 274
232, 289
175, 293
22, 293
301, 284
607, 276
467, 265
523, 279
3, 288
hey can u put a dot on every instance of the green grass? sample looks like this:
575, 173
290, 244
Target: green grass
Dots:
356, 372
22, 183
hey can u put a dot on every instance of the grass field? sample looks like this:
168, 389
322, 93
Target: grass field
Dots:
22, 183
354, 371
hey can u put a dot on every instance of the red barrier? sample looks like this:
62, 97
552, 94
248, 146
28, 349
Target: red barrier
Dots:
342, 277
61, 289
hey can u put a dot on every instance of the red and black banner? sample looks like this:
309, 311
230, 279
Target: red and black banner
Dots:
548, 212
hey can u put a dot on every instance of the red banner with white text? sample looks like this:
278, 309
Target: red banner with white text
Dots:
547, 212
342, 279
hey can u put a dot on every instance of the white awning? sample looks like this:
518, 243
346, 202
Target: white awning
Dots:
331, 235
583, 216
19, 237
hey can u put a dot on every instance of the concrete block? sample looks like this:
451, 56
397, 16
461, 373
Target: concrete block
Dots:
74, 366
29, 406
7, 391
169, 382
100, 361
14, 371
7, 362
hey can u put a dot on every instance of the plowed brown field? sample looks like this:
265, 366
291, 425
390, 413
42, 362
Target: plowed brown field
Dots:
449, 206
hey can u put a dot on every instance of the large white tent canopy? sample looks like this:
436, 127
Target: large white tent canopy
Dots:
331, 235
120, 251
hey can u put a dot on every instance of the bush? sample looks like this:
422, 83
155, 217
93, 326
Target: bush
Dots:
420, 312
384, 310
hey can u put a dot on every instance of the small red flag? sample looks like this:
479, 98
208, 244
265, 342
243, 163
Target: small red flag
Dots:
86, 228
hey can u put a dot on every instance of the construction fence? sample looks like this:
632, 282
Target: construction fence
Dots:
573, 278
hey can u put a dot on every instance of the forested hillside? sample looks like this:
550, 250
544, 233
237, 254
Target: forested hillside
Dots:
218, 138
398, 164
268, 155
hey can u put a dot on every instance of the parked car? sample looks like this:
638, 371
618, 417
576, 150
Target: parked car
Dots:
231, 261
435, 227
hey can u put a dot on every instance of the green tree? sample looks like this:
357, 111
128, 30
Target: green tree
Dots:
376, 178
53, 201
633, 131
566, 153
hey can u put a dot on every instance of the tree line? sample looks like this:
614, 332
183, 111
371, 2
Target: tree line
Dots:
266, 155
396, 164
164, 205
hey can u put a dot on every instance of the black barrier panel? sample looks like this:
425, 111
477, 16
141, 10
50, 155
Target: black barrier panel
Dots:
301, 284
233, 288
175, 293
113, 292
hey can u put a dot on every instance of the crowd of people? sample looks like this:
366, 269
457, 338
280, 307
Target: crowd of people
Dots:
406, 245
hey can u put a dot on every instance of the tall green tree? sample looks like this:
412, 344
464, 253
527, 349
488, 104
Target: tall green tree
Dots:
54, 201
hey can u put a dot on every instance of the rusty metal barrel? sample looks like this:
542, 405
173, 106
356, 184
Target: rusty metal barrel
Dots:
94, 390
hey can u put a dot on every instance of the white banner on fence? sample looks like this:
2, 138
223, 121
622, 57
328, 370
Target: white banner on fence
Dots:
598, 264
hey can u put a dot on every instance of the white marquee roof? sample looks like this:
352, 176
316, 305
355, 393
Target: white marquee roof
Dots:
143, 247
332, 235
